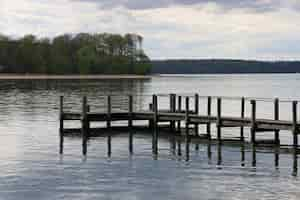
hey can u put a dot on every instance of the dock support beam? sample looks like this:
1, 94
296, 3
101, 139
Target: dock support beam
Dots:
242, 137
84, 122
187, 135
276, 117
208, 126
108, 124
197, 113
61, 125
295, 128
179, 110
219, 122
253, 121
151, 121
172, 110
130, 109
155, 121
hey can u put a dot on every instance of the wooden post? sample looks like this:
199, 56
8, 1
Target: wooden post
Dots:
295, 128
179, 110
208, 126
187, 122
61, 124
295, 139
155, 120
151, 121
108, 122
173, 131
242, 137
88, 122
84, 125
253, 121
197, 113
276, 117
130, 109
172, 110
108, 125
219, 122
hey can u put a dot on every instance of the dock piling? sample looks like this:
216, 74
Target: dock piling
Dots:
276, 117
61, 125
108, 125
187, 122
219, 122
197, 113
208, 125
130, 109
179, 110
155, 120
253, 121
172, 110
84, 125
196, 124
242, 137
295, 128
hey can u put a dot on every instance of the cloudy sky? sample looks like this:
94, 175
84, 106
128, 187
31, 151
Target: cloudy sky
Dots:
244, 29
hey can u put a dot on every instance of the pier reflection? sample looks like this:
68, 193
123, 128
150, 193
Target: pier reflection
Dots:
249, 151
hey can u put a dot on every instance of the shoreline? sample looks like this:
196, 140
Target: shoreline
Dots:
69, 77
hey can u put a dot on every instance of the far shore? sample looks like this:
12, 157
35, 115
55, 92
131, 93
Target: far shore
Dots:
70, 77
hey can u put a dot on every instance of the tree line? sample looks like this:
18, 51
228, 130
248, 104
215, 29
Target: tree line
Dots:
82, 53
223, 66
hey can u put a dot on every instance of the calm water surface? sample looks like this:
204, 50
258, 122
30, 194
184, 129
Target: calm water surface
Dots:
31, 167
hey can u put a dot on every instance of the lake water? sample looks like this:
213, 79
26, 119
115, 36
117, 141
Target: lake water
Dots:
31, 168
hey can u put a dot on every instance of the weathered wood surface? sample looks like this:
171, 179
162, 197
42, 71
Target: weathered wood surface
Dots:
226, 121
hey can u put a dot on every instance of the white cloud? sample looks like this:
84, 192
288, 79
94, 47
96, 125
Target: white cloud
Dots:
196, 30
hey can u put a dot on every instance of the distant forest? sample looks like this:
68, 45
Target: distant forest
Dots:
210, 66
74, 54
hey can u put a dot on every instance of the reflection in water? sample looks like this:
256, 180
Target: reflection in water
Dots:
253, 155
242, 154
276, 156
219, 150
295, 163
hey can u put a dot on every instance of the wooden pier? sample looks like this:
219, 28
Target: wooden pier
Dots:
176, 116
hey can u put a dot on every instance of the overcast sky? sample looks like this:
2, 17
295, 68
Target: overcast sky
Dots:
244, 29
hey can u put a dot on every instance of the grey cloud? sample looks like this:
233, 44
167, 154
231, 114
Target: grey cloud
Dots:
255, 5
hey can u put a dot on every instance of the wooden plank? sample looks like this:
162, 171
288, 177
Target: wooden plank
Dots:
108, 119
